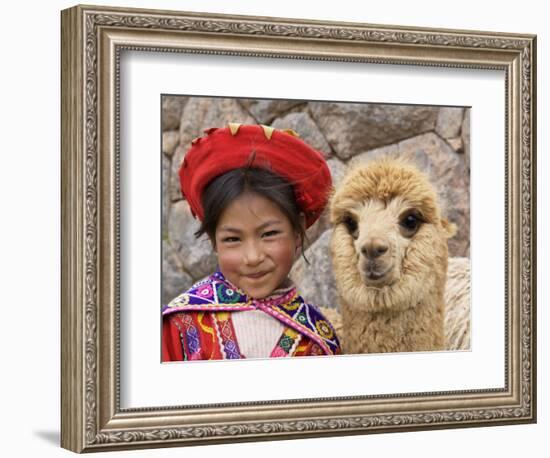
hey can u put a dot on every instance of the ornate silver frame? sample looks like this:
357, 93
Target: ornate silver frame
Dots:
92, 40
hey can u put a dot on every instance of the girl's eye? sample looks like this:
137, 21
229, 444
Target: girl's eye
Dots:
230, 239
270, 233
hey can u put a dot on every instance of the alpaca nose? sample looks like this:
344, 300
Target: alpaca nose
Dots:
374, 248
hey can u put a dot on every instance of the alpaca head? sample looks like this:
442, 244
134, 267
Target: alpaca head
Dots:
389, 244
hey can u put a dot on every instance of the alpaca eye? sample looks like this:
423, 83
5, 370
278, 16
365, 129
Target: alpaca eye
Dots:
351, 226
410, 223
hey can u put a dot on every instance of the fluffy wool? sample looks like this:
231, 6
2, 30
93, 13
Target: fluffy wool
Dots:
457, 305
457, 308
404, 310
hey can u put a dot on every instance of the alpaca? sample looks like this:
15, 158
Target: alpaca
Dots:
457, 308
389, 253
457, 305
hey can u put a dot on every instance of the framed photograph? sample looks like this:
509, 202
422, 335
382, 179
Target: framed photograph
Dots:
433, 139
139, 90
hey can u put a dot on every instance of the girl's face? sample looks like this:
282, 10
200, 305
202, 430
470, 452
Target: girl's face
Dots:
256, 245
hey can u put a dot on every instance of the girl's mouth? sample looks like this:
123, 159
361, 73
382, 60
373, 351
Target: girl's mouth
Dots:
256, 275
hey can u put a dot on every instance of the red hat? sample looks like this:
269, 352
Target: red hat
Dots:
280, 151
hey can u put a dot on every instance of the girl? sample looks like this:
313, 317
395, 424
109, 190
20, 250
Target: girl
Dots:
255, 190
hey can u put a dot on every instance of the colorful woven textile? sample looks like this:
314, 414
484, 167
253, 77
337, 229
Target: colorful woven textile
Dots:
197, 324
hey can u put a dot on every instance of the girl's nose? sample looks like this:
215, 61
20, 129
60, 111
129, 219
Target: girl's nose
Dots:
253, 254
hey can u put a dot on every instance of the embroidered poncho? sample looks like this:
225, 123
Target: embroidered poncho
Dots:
198, 323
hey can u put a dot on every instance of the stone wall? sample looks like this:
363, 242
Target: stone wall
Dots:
435, 138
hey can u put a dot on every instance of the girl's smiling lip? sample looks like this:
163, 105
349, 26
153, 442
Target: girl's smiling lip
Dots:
257, 275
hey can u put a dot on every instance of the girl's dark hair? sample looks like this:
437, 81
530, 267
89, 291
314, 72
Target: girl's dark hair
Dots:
223, 190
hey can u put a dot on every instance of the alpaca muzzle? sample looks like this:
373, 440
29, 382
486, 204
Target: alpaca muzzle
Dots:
376, 272
374, 248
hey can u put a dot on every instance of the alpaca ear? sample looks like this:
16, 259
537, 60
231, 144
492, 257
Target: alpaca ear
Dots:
449, 228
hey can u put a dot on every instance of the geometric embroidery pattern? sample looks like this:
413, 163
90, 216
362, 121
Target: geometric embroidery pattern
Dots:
227, 295
216, 295
315, 350
227, 336
324, 329
192, 335
286, 344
